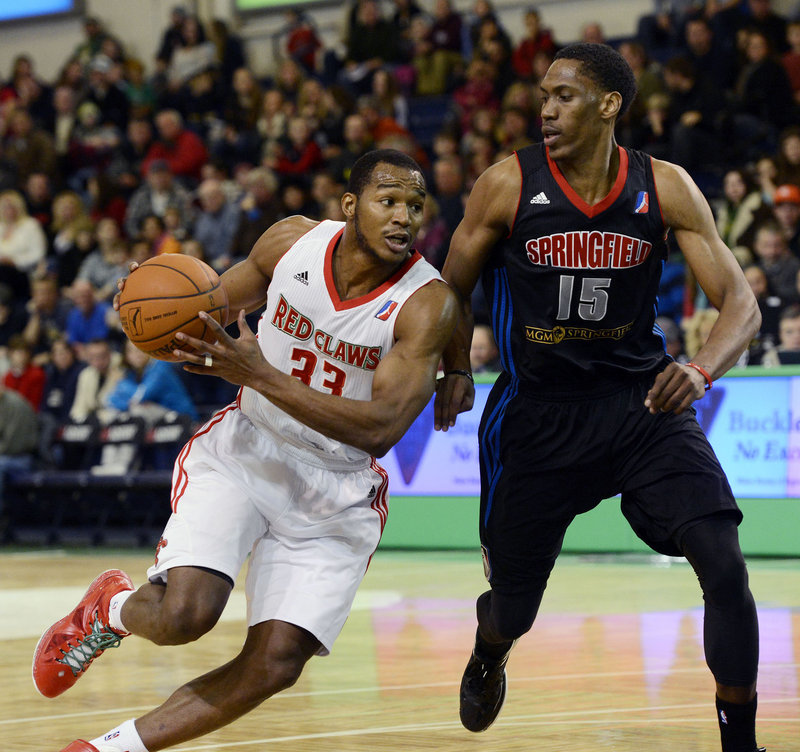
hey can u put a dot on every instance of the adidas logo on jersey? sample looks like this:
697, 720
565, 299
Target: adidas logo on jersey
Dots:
371, 492
302, 277
540, 198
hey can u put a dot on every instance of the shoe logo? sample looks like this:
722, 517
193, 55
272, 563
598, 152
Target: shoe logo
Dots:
302, 277
386, 310
540, 198
371, 492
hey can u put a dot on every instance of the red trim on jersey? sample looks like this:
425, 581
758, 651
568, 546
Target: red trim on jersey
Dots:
381, 501
182, 478
344, 305
519, 198
577, 201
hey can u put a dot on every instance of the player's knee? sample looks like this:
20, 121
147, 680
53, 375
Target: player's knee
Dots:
265, 675
725, 585
509, 616
186, 620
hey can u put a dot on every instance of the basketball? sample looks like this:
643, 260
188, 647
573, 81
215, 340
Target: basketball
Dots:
163, 296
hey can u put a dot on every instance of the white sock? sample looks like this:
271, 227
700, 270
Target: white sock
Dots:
115, 610
123, 738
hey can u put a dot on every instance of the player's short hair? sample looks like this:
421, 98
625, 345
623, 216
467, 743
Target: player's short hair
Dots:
361, 172
606, 67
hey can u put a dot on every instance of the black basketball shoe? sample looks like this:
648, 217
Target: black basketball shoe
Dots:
483, 691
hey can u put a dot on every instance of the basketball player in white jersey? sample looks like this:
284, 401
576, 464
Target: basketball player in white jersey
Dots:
346, 358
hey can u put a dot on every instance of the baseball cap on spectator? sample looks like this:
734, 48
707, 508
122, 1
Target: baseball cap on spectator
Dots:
786, 194
158, 165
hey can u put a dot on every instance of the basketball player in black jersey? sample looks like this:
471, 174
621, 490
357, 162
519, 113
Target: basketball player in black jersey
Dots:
569, 238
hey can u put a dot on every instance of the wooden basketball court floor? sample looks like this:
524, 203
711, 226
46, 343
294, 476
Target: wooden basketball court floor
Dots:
614, 661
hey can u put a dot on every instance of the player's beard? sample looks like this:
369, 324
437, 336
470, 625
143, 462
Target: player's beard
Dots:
361, 238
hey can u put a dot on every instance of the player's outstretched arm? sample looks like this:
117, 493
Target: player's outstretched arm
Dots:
402, 385
687, 212
488, 217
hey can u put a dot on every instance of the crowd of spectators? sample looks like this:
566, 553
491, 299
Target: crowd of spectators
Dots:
119, 159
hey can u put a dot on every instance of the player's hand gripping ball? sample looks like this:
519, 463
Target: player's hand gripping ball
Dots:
163, 297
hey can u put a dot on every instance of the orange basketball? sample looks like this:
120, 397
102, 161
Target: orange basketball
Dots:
163, 297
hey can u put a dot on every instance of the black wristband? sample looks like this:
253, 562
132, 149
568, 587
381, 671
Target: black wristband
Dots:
459, 372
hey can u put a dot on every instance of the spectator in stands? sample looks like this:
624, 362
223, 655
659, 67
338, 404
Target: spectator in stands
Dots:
215, 224
752, 15
648, 83
770, 306
104, 199
777, 261
96, 382
537, 39
22, 241
300, 41
93, 144
18, 435
764, 102
171, 39
259, 210
514, 129
108, 262
28, 148
592, 32
476, 93
63, 123
23, 375
788, 349
180, 148
357, 141
72, 237
60, 381
158, 237
709, 54
159, 191
766, 174
484, 357
298, 154
38, 196
787, 160
192, 58
12, 322
89, 318
403, 15
288, 80
694, 117
47, 312
126, 166
438, 57
230, 51
673, 338
110, 99
696, 329
372, 42
448, 189
149, 388
71, 76
736, 212
662, 32
91, 46
324, 187
434, 234
791, 58
386, 93
138, 90
786, 210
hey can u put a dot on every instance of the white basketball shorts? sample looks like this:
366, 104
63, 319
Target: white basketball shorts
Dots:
311, 529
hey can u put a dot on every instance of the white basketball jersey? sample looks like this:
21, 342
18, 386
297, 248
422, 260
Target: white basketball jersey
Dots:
331, 345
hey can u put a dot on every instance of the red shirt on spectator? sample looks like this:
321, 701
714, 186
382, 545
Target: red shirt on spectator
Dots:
185, 156
30, 384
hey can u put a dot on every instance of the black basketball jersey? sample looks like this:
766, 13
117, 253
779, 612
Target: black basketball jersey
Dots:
572, 291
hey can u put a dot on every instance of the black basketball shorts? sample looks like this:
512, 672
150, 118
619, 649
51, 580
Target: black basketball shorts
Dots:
544, 462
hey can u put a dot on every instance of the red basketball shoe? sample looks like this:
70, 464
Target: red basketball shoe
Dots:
68, 648
80, 746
